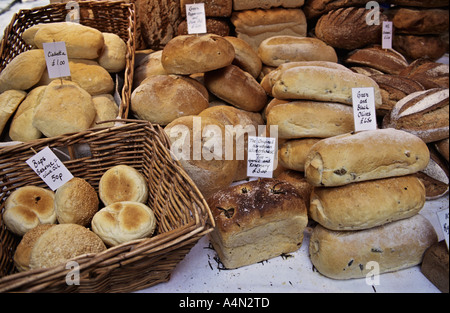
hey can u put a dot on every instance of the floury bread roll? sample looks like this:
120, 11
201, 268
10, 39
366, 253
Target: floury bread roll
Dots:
367, 204
124, 221
122, 183
322, 84
366, 155
301, 119
277, 50
393, 246
191, 54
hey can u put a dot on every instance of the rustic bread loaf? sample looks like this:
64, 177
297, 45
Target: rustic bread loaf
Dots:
430, 74
213, 8
421, 4
420, 21
316, 8
245, 57
218, 26
113, 55
10, 101
419, 46
292, 153
149, 65
239, 5
435, 265
105, 109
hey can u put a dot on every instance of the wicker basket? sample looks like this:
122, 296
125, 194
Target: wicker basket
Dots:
183, 216
116, 17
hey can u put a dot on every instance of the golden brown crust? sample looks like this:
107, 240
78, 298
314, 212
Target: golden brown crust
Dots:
420, 21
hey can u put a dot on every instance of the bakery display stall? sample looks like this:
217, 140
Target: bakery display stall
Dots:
347, 211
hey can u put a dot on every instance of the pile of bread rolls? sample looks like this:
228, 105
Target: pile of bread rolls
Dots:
39, 106
76, 219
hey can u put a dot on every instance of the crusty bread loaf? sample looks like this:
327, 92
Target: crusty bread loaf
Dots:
292, 153
316, 8
419, 46
239, 5
113, 55
393, 246
430, 74
190, 54
278, 50
257, 220
222, 8
421, 4
366, 155
415, 21
63, 242
91, 76
122, 183
322, 84
442, 146
237, 87
435, 265
422, 113
306, 119
298, 180
27, 207
245, 57
10, 101
124, 221
105, 109
149, 65
435, 177
367, 204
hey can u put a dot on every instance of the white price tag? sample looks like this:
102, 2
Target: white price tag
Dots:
364, 114
56, 59
386, 40
443, 221
49, 168
196, 18
261, 155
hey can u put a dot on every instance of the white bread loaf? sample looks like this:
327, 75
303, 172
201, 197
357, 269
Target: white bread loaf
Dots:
292, 153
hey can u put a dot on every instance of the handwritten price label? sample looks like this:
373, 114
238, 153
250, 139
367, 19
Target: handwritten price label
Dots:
196, 18
443, 220
364, 109
386, 40
56, 59
49, 168
261, 155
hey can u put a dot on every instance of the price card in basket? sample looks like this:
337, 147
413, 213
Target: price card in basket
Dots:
196, 18
49, 168
261, 155
443, 220
56, 59
364, 109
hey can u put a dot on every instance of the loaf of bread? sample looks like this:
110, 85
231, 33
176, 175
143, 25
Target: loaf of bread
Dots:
311, 119
428, 73
191, 54
316, 8
422, 113
419, 46
91, 77
435, 265
322, 84
254, 26
298, 180
122, 183
218, 26
114, 52
351, 254
292, 153
366, 155
149, 65
421, 4
420, 21
367, 204
105, 109
245, 57
236, 87
124, 221
442, 147
256, 221
347, 28
435, 177
222, 8
10, 101
24, 71
239, 5
27, 207
278, 50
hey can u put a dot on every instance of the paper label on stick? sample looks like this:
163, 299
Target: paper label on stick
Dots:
386, 41
49, 168
443, 221
364, 113
261, 155
56, 59
196, 18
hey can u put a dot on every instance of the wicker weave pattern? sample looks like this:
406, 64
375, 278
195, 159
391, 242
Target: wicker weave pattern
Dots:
183, 216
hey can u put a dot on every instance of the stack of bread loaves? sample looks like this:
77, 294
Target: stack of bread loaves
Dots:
366, 201
55, 107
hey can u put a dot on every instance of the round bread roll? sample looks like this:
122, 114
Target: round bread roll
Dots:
245, 57
76, 202
27, 207
122, 183
105, 109
236, 87
91, 76
63, 242
278, 50
149, 66
190, 54
112, 57
367, 155
124, 221
22, 254
292, 153
10, 100
160, 99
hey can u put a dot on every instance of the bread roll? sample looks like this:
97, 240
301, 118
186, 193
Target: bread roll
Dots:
190, 54
113, 55
256, 221
149, 66
122, 183
237, 88
366, 155
63, 242
91, 77
278, 50
393, 246
23, 251
306, 119
64, 108
386, 60
76, 202
322, 84
367, 204
9, 102
105, 109
24, 71
124, 221
292, 153
245, 57
161, 99
27, 207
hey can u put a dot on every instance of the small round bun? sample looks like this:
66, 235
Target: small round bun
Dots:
28, 207
76, 202
124, 221
63, 242
122, 183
